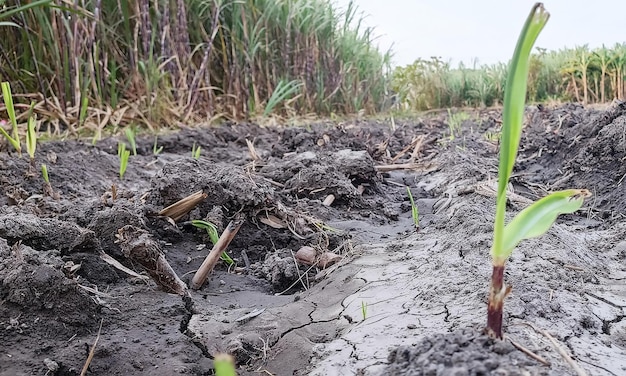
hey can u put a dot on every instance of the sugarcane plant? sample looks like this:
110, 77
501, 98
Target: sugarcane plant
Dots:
536, 219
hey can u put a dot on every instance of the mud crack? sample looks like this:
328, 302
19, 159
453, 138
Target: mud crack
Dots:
606, 324
184, 326
447, 317
312, 321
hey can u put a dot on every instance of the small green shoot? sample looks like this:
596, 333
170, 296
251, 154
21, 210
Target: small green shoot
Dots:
123, 155
455, 121
156, 150
211, 229
536, 219
130, 135
195, 151
84, 103
493, 137
8, 103
414, 212
224, 365
44, 173
31, 138
364, 309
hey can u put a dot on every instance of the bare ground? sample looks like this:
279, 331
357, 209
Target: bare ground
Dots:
398, 302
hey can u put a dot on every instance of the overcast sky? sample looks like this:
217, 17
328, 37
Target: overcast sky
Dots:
463, 30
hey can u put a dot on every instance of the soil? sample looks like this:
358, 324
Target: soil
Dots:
394, 301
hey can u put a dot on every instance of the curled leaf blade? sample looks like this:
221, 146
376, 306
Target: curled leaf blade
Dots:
536, 219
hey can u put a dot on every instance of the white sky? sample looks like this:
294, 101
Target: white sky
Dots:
487, 30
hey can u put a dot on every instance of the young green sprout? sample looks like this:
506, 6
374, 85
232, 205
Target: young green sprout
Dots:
156, 150
455, 121
31, 139
123, 155
195, 151
84, 103
364, 309
130, 135
211, 229
44, 173
224, 365
536, 219
414, 212
8, 103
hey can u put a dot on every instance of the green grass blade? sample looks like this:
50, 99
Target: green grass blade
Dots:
536, 219
513, 112
23, 8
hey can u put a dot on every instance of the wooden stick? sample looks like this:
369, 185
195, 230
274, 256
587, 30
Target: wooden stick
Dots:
178, 209
137, 245
406, 166
578, 369
209, 262
521, 348
92, 352
418, 146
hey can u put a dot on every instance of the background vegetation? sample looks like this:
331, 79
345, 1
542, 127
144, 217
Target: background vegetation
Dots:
90, 63
578, 74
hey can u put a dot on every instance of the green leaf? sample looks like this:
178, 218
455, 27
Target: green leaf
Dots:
8, 103
536, 219
210, 228
513, 112
31, 137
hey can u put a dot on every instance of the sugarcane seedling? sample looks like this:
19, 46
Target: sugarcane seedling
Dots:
224, 365
195, 151
47, 188
130, 135
156, 149
31, 139
214, 236
123, 155
537, 218
209, 262
14, 140
414, 211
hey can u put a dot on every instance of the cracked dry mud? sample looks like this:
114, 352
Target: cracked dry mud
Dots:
399, 302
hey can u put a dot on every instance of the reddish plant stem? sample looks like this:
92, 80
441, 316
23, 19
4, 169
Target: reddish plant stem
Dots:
497, 293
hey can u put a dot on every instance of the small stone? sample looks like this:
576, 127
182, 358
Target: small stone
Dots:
411, 326
51, 365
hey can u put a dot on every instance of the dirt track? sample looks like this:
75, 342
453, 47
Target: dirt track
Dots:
424, 292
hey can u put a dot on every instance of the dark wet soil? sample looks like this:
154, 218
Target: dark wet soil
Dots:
59, 283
